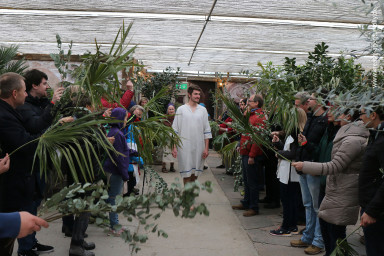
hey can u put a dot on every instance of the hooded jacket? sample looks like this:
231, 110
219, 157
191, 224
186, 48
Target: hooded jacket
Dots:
120, 167
340, 205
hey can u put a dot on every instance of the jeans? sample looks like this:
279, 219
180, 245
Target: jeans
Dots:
310, 189
27, 243
373, 233
289, 193
331, 233
115, 187
250, 179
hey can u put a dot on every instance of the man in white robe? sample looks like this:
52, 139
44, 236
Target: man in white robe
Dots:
192, 126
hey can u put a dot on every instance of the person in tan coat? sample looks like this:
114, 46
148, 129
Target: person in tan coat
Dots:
340, 206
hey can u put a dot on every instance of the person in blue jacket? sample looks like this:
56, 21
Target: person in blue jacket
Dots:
17, 224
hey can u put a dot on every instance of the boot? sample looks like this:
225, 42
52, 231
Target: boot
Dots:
77, 250
164, 168
172, 168
88, 245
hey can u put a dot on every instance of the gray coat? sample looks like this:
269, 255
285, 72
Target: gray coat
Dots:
340, 205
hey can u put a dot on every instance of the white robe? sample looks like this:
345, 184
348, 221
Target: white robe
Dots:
193, 128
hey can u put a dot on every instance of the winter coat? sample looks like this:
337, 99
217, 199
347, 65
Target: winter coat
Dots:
256, 118
121, 162
36, 113
340, 205
313, 131
371, 179
125, 101
17, 186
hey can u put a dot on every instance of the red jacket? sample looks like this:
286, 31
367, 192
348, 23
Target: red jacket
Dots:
224, 125
257, 119
125, 101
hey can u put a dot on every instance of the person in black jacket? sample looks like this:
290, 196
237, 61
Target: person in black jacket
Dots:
37, 109
37, 117
310, 185
17, 186
288, 178
371, 184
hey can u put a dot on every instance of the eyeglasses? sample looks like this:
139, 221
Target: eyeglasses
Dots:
361, 113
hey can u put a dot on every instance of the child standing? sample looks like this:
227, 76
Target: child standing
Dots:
118, 171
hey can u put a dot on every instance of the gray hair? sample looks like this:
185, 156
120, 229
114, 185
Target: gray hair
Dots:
136, 107
8, 83
303, 97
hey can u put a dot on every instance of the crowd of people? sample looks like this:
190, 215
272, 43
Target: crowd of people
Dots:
26, 113
330, 169
324, 173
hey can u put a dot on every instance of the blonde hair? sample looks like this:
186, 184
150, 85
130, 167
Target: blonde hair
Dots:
301, 119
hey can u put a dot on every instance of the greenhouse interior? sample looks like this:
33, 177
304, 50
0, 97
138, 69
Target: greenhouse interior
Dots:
192, 128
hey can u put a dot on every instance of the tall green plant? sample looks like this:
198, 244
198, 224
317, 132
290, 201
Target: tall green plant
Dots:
152, 85
8, 62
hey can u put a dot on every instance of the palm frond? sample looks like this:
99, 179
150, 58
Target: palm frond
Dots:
150, 132
7, 62
77, 143
240, 123
98, 73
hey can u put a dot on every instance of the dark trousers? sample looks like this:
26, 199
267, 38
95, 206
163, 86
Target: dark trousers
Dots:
131, 183
80, 225
6, 246
374, 242
289, 194
330, 233
250, 179
272, 184
68, 222
27, 243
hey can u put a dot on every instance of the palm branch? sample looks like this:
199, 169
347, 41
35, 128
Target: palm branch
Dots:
98, 73
7, 62
241, 125
344, 248
80, 143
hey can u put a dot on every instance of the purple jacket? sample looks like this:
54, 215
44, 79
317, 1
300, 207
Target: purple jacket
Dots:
120, 167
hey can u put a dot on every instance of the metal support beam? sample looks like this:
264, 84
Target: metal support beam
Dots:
202, 31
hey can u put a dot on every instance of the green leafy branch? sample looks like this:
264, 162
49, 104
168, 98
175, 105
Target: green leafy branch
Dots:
91, 198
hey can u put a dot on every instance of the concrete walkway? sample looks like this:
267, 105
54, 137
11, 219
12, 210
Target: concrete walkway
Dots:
258, 227
225, 232
219, 234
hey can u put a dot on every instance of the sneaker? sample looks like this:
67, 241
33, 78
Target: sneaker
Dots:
299, 243
312, 250
117, 233
280, 232
294, 231
27, 253
250, 213
41, 248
